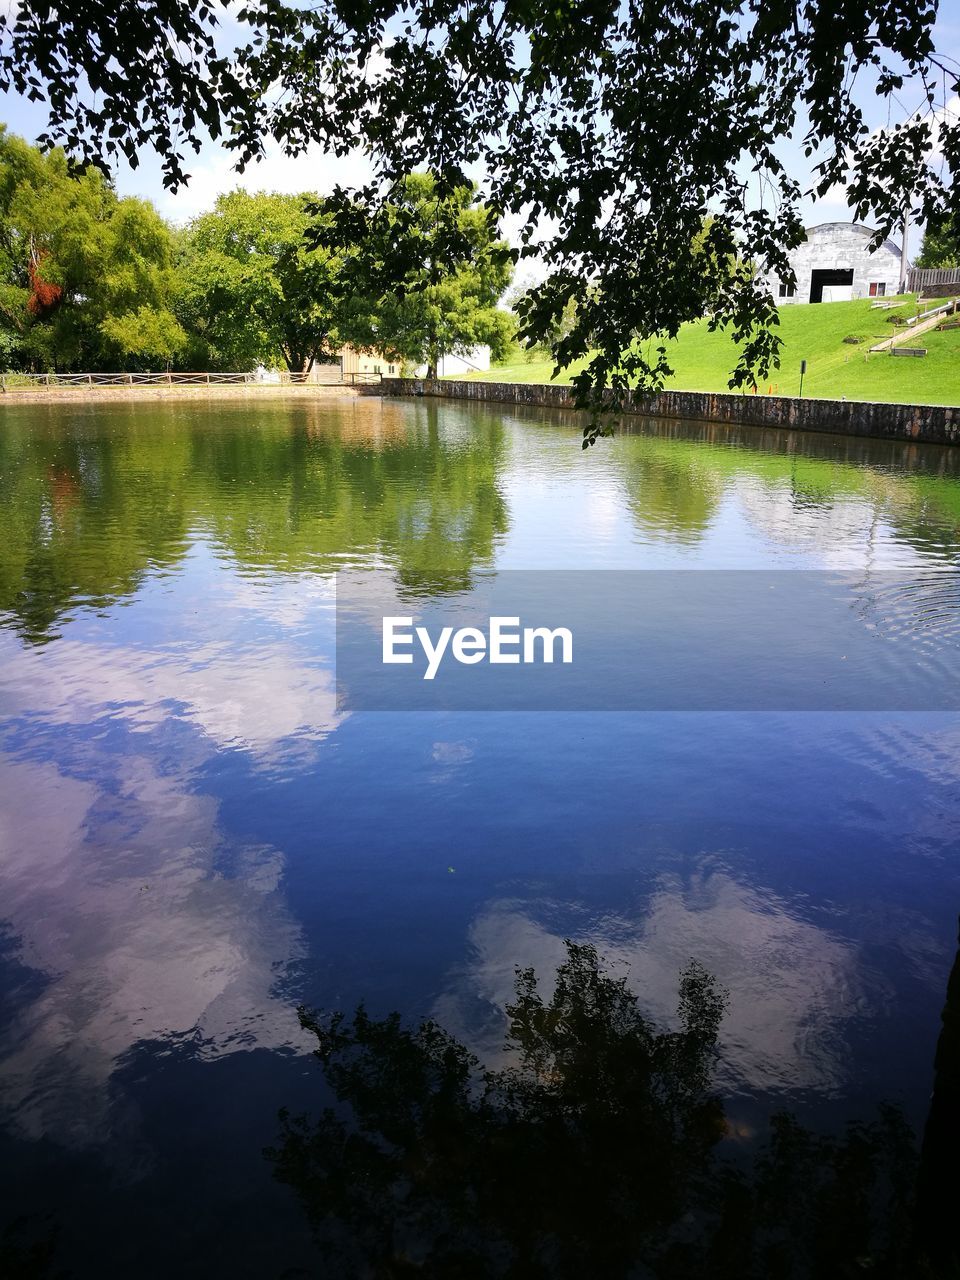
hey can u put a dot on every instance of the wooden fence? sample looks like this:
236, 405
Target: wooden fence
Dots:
321, 375
925, 279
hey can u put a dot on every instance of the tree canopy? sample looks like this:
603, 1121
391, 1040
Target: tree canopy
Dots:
940, 246
86, 279
91, 281
612, 128
252, 289
424, 271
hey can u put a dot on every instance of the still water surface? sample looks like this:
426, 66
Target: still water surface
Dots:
195, 840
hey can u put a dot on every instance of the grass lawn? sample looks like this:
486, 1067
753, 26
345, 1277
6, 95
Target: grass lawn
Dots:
815, 332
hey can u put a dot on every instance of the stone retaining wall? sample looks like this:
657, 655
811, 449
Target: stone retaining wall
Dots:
927, 423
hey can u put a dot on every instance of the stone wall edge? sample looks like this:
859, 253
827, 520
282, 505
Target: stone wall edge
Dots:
931, 424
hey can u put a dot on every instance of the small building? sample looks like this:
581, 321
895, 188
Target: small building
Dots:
476, 360
352, 361
834, 264
472, 361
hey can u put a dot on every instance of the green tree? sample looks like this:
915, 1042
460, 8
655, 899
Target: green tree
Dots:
133, 305
560, 326
86, 279
940, 246
425, 271
252, 289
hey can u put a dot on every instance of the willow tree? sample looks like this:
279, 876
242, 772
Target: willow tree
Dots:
612, 127
86, 279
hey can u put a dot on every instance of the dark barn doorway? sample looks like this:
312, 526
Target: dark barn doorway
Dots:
821, 278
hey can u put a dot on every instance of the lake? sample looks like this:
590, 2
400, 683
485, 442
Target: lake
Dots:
198, 836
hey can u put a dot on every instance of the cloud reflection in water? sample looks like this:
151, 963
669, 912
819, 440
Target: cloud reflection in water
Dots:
793, 984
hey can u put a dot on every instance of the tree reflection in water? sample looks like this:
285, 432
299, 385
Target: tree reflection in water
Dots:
28, 1249
595, 1153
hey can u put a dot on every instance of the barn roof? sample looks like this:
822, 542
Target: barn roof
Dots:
865, 231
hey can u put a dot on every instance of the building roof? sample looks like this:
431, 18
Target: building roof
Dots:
853, 226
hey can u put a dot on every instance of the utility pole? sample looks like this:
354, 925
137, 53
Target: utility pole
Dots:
902, 287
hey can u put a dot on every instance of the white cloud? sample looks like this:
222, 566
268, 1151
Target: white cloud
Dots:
268, 702
793, 985
145, 917
118, 897
214, 173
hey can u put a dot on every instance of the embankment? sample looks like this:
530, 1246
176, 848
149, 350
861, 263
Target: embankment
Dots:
932, 424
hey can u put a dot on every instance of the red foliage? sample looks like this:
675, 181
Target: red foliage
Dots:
44, 297
64, 488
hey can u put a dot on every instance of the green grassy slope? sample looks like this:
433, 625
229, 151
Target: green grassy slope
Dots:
702, 360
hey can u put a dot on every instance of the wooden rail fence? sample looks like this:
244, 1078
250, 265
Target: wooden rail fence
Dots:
324, 375
925, 279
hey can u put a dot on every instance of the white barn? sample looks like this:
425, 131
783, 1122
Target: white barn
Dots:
834, 264
474, 360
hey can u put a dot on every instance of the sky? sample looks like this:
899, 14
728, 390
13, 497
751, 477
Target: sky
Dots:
212, 170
